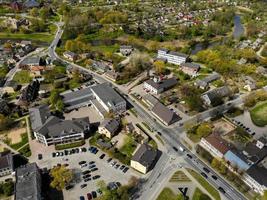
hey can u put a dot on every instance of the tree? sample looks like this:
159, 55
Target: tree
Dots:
5, 122
34, 12
215, 163
159, 66
61, 177
8, 188
204, 130
264, 196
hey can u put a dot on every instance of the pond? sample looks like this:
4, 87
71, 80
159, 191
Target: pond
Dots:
238, 27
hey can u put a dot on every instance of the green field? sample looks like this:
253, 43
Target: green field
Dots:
167, 194
259, 114
199, 195
43, 37
179, 176
213, 192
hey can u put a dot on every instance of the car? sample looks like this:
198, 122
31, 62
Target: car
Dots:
89, 196
117, 166
66, 152
95, 151
53, 154
94, 169
57, 154
82, 162
86, 176
102, 156
69, 187
113, 163
77, 150
86, 172
206, 170
83, 149
61, 153
92, 166
83, 165
82, 198
66, 165
99, 191
8, 179
122, 167
189, 156
221, 190
83, 185
204, 175
94, 194
92, 162
159, 133
109, 160
125, 169
87, 179
90, 149
96, 177
214, 177
175, 149
40, 156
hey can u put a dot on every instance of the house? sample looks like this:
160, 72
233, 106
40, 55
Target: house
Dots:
14, 23
49, 129
31, 61
6, 163
28, 182
250, 83
126, 50
156, 86
190, 68
112, 75
204, 83
215, 145
150, 100
107, 99
214, 97
70, 56
31, 4
164, 114
256, 178
29, 93
109, 127
172, 57
100, 66
10, 87
144, 158
4, 107
237, 160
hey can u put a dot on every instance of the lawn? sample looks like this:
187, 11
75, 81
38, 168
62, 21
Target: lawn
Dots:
167, 194
70, 145
26, 151
213, 192
23, 141
179, 176
199, 195
43, 37
22, 77
129, 146
258, 114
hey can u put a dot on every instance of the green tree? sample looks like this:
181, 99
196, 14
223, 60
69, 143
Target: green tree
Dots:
34, 12
61, 177
264, 196
159, 66
204, 130
215, 163
8, 188
5, 122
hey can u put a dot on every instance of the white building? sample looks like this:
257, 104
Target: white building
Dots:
156, 86
109, 127
172, 57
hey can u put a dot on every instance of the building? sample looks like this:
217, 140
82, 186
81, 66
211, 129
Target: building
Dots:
109, 127
49, 129
6, 163
237, 160
215, 145
70, 56
204, 83
107, 99
144, 158
126, 50
14, 23
100, 66
214, 97
150, 100
28, 183
190, 68
172, 57
31, 61
31, 4
164, 114
156, 86
29, 93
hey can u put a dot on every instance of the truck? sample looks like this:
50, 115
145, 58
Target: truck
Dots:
181, 149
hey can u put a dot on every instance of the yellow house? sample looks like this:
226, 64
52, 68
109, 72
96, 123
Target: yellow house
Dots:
144, 158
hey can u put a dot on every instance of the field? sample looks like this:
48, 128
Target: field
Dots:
43, 37
213, 192
179, 176
198, 195
167, 193
258, 114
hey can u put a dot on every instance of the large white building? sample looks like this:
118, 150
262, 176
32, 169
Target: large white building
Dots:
172, 57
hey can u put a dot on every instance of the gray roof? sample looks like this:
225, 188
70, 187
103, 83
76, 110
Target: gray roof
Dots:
126, 47
69, 53
6, 160
111, 125
151, 99
145, 155
259, 174
39, 115
28, 182
107, 94
191, 65
174, 53
164, 84
165, 114
84, 94
34, 60
49, 122
220, 92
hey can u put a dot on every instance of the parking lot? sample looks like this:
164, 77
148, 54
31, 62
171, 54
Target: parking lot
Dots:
106, 172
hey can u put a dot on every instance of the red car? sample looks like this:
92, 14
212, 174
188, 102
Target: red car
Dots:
89, 196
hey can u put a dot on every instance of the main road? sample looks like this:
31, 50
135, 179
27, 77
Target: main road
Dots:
171, 136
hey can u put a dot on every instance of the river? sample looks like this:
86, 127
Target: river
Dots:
238, 27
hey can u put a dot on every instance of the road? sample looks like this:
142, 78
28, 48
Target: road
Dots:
169, 135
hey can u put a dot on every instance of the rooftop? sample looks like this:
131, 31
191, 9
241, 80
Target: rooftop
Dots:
145, 155
164, 84
110, 124
191, 65
6, 160
259, 174
218, 143
39, 115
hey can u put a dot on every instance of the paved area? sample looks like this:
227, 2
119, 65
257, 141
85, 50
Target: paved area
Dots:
246, 120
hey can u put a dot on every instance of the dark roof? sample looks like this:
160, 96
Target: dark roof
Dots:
34, 60
191, 65
164, 84
254, 153
174, 53
218, 143
145, 155
111, 125
28, 182
49, 122
31, 4
259, 174
165, 114
6, 160
39, 115
218, 93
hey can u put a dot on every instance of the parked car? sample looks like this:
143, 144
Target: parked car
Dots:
189, 156
87, 179
92, 162
113, 163
102, 156
69, 187
40, 156
86, 172
109, 160
92, 166
83, 185
125, 169
206, 170
82, 198
82, 162
94, 194
96, 177
89, 196
86, 176
117, 166
83, 149
94, 169
53, 154
83, 165
122, 167
204, 175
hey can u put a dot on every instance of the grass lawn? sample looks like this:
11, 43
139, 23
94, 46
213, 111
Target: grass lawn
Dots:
43, 37
179, 176
213, 192
106, 49
129, 146
198, 195
167, 194
26, 151
24, 140
22, 77
258, 114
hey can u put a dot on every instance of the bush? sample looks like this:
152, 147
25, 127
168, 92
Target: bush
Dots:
7, 188
70, 145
